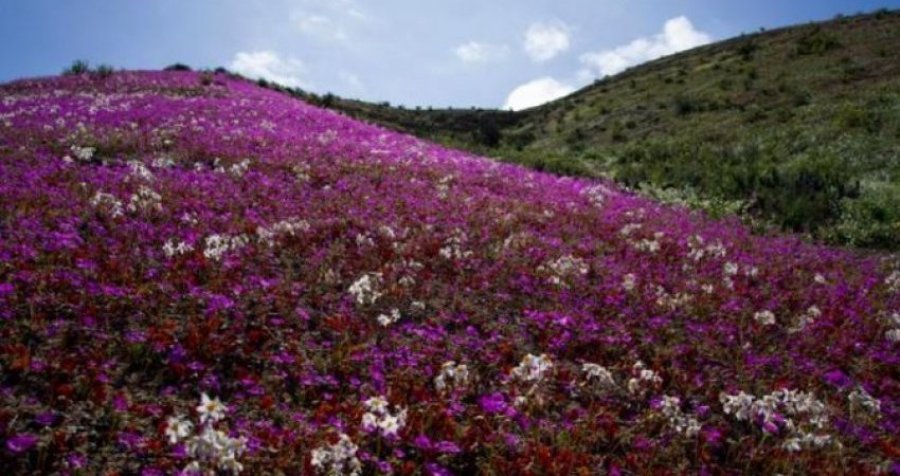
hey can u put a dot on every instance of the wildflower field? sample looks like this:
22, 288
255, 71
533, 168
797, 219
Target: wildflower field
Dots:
201, 276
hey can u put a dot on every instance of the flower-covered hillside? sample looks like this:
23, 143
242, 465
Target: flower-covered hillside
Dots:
340, 299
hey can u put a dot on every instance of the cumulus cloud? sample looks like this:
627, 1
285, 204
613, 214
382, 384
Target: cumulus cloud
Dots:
475, 52
678, 34
535, 93
545, 40
268, 65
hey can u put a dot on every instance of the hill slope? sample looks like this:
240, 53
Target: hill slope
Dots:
339, 298
800, 125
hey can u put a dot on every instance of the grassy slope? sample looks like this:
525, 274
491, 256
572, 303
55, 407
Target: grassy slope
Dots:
797, 127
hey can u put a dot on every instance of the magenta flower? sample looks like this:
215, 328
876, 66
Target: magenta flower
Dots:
21, 443
493, 403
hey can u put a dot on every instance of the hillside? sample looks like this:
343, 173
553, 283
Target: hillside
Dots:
342, 299
797, 128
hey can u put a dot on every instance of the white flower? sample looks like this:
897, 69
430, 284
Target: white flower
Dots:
378, 405
364, 289
532, 368
730, 269
171, 249
109, 203
860, 398
177, 428
629, 282
819, 279
766, 318
670, 407
84, 154
210, 409
145, 199
642, 378
386, 320
289, 227
379, 416
451, 375
338, 459
391, 424
217, 245
599, 374
892, 335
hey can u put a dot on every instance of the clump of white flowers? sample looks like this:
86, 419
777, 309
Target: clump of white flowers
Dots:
443, 186
365, 289
672, 301
805, 319
162, 162
211, 449
290, 227
215, 246
301, 172
648, 245
893, 334
140, 171
363, 240
452, 375
629, 228
390, 318
860, 398
170, 248
642, 379
765, 318
629, 282
235, 170
532, 368
893, 282
596, 194
798, 414
700, 250
684, 424
84, 154
337, 459
563, 268
108, 203
379, 417
145, 200
598, 374
453, 247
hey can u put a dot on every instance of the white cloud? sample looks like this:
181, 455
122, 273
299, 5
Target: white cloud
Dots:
678, 34
535, 93
321, 26
270, 66
475, 52
544, 41
333, 21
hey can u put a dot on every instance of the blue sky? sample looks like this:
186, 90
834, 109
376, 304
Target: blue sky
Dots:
487, 53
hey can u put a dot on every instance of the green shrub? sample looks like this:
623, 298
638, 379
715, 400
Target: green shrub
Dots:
104, 71
177, 67
77, 67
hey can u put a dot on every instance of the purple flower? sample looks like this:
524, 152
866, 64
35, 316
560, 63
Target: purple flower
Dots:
837, 378
46, 418
447, 447
6, 289
435, 469
422, 442
493, 403
21, 443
